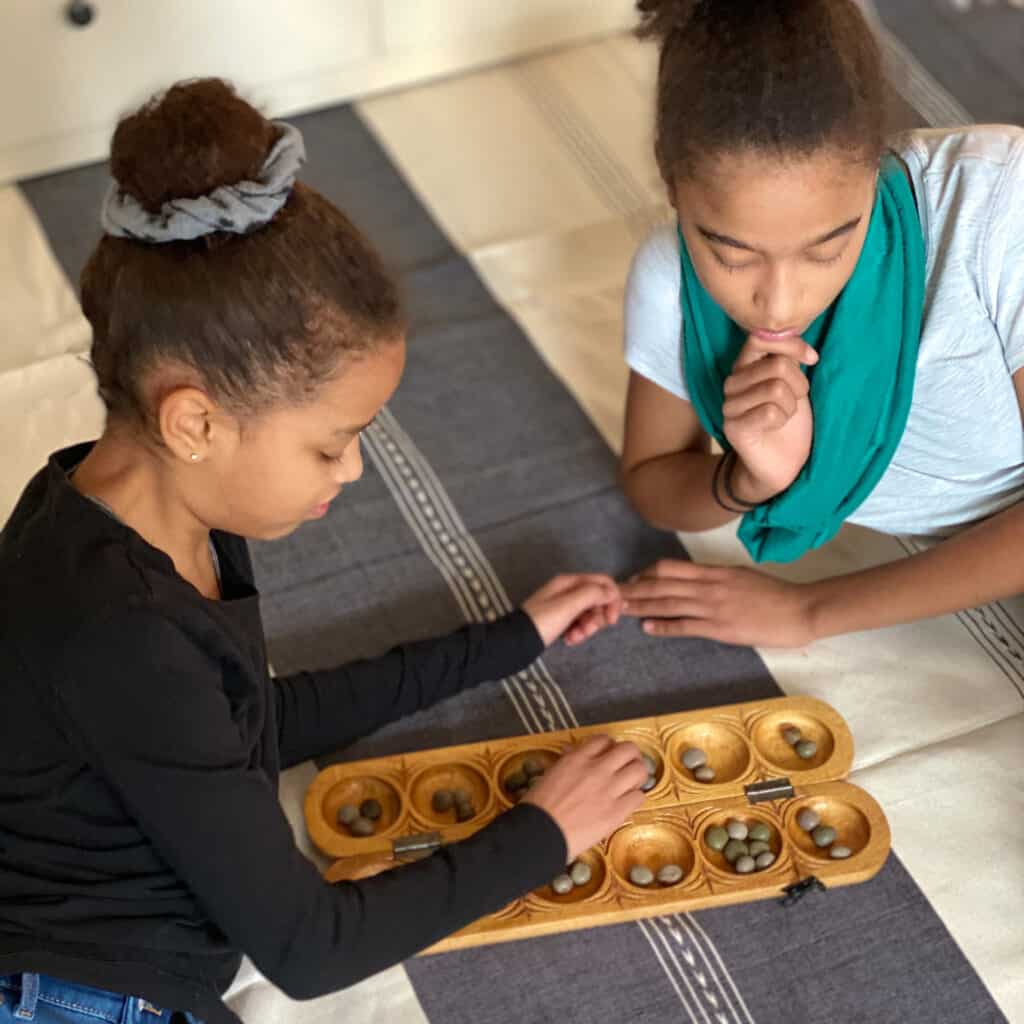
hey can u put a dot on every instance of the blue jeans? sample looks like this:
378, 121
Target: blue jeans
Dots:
45, 1000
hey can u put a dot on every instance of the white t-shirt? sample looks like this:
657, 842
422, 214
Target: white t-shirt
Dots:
962, 454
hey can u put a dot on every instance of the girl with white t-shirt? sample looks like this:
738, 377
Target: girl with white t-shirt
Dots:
845, 317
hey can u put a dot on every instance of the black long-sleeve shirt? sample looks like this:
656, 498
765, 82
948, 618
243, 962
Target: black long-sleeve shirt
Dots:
142, 845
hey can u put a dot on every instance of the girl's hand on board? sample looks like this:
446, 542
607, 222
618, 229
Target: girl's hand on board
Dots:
591, 790
733, 606
767, 415
578, 605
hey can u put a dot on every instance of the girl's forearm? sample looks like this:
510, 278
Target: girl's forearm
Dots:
673, 492
984, 563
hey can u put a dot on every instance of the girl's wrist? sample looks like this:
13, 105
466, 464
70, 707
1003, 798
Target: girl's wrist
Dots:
747, 487
818, 609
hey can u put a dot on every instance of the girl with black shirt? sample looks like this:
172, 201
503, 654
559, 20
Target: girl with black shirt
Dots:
244, 333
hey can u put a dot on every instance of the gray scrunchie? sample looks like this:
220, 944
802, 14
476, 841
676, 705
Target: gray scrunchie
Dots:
239, 208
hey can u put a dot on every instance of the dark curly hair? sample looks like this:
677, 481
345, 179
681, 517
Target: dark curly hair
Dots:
783, 76
259, 319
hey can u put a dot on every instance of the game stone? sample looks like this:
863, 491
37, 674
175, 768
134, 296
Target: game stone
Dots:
640, 875
371, 809
694, 757
824, 835
580, 873
736, 829
716, 837
670, 874
808, 819
442, 800
562, 885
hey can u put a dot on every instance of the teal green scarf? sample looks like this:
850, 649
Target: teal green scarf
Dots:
861, 387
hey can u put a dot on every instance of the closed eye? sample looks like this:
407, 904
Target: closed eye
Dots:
731, 267
825, 261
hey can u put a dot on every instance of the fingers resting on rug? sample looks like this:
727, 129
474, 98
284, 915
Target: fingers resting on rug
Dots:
675, 598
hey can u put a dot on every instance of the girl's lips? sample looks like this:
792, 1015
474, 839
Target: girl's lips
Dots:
319, 511
789, 332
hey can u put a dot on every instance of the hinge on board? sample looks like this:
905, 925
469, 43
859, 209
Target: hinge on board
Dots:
415, 846
770, 789
798, 890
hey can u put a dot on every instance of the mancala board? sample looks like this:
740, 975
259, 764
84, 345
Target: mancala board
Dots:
759, 777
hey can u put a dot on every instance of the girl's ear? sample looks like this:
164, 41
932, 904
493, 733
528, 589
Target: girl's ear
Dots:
186, 417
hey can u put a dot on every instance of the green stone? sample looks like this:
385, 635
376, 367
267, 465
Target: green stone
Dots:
838, 852
531, 767
716, 838
516, 781
670, 874
562, 885
464, 812
639, 875
736, 829
734, 849
580, 873
760, 832
652, 765
694, 757
347, 813
362, 827
745, 865
792, 735
442, 800
808, 819
764, 860
758, 847
806, 749
824, 835
371, 809
705, 773
649, 784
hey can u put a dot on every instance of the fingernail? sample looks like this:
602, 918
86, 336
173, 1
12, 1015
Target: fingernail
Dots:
648, 627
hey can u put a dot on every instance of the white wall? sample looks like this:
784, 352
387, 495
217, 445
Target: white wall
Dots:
62, 88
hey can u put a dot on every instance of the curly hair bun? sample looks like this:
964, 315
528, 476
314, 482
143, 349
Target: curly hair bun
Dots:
188, 141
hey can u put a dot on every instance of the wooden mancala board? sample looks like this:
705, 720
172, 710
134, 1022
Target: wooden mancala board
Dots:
759, 778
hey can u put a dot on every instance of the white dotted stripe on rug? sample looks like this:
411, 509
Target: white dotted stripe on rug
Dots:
452, 549
624, 196
694, 968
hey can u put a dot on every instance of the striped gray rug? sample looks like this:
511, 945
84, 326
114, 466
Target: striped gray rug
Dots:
483, 479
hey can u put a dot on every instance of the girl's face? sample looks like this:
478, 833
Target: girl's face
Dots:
775, 243
288, 465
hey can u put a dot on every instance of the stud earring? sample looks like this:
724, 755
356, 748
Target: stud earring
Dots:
194, 456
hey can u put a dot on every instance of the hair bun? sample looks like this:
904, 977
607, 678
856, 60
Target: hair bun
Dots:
195, 137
